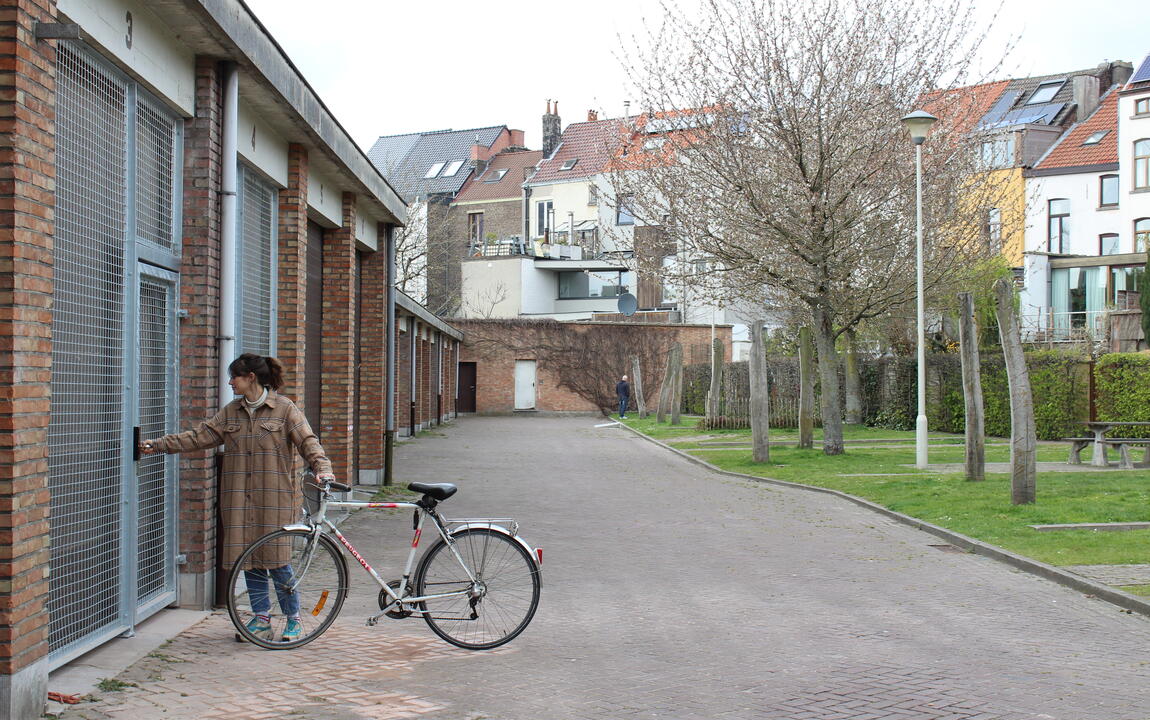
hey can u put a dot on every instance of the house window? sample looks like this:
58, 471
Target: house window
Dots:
1045, 92
1141, 234
475, 229
592, 195
434, 170
1095, 138
1142, 165
1058, 226
1126, 284
568, 164
998, 152
453, 168
595, 284
994, 230
543, 217
1108, 244
1142, 106
670, 291
495, 175
1108, 190
624, 214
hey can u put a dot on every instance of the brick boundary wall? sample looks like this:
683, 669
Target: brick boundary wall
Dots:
339, 298
291, 334
199, 350
27, 217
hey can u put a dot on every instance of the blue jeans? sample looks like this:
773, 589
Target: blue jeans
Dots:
257, 581
623, 402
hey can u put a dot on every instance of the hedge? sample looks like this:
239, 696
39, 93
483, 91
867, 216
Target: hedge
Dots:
1122, 390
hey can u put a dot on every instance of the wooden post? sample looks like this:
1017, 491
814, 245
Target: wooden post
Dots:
715, 394
760, 410
677, 384
852, 382
637, 387
1022, 434
971, 389
806, 389
665, 387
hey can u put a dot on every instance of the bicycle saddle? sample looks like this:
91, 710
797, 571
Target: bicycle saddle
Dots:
439, 491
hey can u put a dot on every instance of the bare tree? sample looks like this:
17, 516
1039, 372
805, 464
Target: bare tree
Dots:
771, 139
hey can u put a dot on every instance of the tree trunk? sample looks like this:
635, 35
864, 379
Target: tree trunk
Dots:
1022, 435
677, 385
829, 380
637, 388
806, 390
715, 394
971, 389
760, 396
665, 388
853, 381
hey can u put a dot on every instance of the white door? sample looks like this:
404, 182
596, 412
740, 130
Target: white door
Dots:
524, 384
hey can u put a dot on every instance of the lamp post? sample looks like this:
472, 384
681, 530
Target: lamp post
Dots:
918, 125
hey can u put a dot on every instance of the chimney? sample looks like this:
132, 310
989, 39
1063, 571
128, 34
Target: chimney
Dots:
480, 156
517, 140
1085, 89
551, 130
1120, 72
592, 116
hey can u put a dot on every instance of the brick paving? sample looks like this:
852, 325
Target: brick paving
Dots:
672, 592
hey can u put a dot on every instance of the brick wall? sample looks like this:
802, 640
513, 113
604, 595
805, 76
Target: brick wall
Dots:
373, 358
495, 368
337, 413
199, 295
291, 334
27, 201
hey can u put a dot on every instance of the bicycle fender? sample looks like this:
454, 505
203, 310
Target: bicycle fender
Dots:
503, 531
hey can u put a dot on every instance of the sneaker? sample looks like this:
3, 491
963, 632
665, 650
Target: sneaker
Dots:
292, 631
258, 626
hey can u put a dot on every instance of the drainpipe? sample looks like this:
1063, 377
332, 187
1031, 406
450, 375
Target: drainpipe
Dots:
228, 243
411, 342
389, 395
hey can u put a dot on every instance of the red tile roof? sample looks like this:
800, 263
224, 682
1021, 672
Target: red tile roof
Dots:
1069, 150
515, 162
962, 108
590, 143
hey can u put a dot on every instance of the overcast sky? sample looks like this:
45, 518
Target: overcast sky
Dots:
385, 68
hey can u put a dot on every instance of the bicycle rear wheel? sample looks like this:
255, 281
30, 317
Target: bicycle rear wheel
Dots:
497, 607
287, 571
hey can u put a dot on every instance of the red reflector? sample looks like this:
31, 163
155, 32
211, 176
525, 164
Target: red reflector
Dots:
539, 554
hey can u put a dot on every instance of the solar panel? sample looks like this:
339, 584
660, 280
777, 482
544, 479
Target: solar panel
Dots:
1143, 73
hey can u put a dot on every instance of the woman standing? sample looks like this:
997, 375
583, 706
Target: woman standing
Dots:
258, 489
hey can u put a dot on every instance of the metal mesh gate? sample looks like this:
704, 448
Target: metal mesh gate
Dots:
257, 279
116, 172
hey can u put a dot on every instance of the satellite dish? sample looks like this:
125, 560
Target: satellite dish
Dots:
628, 304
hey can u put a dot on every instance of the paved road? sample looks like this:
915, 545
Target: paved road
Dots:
671, 592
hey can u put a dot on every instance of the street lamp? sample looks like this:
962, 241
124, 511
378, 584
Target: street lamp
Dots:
918, 125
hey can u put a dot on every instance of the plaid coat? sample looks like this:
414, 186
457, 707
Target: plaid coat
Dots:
259, 491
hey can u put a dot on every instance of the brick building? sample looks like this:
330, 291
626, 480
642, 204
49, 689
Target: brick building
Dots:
174, 194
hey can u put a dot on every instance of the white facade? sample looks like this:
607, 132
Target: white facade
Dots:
1134, 161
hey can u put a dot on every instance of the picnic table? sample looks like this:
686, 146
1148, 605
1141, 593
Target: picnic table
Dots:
1099, 428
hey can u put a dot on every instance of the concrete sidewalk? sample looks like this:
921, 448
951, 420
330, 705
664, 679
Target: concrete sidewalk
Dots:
671, 591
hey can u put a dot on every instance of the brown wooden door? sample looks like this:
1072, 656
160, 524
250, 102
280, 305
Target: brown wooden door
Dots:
467, 376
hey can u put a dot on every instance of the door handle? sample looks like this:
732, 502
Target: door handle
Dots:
136, 444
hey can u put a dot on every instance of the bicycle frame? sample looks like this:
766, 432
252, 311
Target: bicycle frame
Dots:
318, 523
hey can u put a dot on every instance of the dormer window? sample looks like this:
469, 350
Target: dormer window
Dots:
434, 170
1095, 138
495, 175
453, 168
1045, 92
568, 164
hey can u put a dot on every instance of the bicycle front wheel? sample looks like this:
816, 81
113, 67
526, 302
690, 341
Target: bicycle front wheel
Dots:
492, 610
286, 589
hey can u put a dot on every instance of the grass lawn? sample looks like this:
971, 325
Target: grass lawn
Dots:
884, 472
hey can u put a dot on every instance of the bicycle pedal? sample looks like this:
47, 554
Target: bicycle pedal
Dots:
372, 622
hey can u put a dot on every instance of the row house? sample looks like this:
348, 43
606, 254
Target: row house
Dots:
1089, 222
175, 194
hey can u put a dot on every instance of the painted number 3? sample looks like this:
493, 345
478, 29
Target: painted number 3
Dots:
128, 37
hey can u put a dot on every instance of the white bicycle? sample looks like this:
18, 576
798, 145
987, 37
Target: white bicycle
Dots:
477, 587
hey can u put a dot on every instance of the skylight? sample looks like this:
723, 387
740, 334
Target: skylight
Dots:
1095, 138
496, 175
434, 170
1045, 92
453, 168
568, 164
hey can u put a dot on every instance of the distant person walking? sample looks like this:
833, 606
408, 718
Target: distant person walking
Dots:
623, 390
